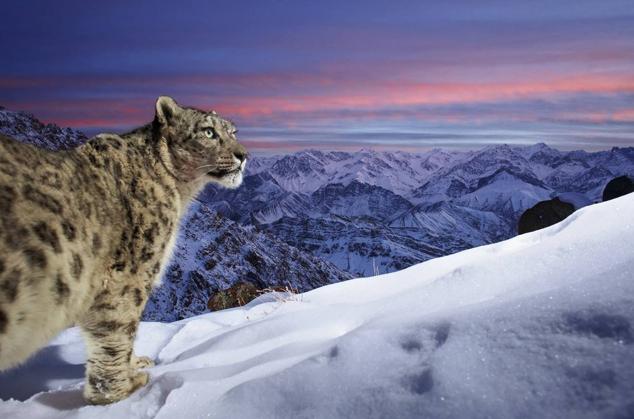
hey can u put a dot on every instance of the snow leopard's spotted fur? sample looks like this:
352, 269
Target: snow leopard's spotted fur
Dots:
84, 234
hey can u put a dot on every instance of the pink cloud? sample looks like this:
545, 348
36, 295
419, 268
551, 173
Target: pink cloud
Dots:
366, 99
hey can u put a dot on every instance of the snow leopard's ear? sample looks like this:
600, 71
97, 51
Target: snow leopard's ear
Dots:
166, 109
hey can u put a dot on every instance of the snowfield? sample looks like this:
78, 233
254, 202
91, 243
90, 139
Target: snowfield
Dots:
538, 326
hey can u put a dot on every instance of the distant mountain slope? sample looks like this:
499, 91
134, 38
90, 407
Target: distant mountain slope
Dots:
306, 171
438, 223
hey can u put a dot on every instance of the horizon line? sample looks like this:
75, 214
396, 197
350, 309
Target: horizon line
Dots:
412, 142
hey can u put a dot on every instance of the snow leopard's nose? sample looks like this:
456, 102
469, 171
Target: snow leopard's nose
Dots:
240, 152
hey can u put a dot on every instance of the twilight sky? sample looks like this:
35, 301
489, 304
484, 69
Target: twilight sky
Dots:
328, 74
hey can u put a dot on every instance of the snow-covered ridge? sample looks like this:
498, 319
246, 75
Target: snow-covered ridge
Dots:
538, 326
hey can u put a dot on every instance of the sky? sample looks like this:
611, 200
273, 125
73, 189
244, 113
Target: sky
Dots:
294, 74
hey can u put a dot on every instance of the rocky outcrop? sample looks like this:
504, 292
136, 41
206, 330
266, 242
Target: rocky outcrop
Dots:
544, 214
618, 186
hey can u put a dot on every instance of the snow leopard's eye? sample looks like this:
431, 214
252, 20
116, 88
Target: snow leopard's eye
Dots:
210, 133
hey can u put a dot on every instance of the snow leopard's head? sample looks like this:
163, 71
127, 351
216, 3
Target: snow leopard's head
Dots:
201, 145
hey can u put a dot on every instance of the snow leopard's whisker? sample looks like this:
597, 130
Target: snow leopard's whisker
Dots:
205, 166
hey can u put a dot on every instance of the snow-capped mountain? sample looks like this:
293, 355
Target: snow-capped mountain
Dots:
309, 170
25, 127
369, 210
538, 326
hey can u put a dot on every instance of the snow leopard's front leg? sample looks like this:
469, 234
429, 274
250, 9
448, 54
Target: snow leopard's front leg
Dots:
112, 368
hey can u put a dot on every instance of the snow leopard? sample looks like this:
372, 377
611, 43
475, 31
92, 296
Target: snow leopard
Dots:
85, 234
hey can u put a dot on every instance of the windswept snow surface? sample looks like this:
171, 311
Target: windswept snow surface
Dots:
538, 326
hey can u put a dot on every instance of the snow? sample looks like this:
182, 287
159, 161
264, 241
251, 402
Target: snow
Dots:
536, 326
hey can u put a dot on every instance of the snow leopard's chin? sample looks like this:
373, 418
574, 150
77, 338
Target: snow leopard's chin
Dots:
230, 180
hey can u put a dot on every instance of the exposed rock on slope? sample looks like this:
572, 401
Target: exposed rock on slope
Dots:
544, 214
619, 186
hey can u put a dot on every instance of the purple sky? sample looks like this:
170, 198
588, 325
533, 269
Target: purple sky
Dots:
333, 74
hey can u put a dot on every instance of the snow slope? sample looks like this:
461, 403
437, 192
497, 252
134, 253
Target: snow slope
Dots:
538, 326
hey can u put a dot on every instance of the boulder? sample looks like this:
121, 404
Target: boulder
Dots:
544, 214
618, 186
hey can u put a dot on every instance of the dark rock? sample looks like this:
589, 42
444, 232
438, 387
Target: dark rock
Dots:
618, 186
544, 214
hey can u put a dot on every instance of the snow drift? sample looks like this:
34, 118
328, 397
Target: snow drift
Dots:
536, 326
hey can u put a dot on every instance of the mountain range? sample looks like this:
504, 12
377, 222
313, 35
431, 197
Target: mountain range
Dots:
371, 212
315, 217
